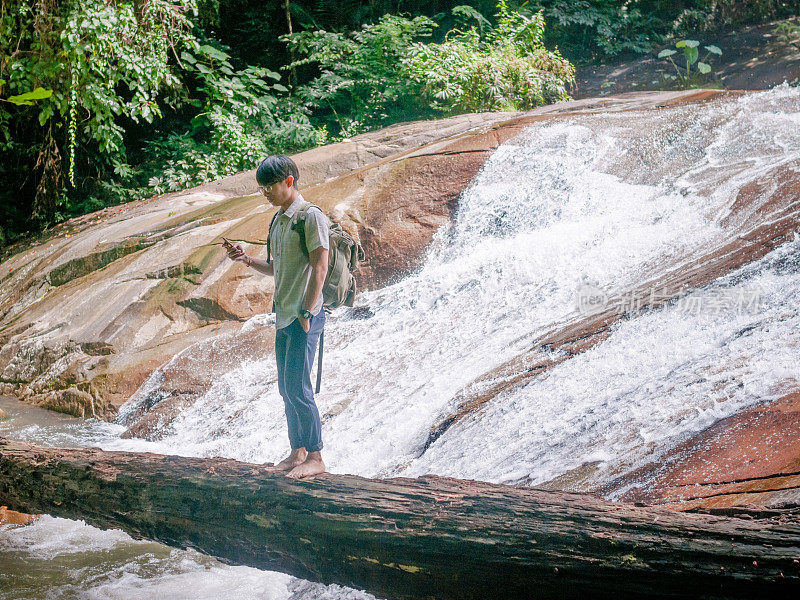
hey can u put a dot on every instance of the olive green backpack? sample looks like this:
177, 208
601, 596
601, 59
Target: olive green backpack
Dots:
343, 258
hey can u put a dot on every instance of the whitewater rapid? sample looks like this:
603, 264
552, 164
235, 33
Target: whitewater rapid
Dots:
607, 200
564, 204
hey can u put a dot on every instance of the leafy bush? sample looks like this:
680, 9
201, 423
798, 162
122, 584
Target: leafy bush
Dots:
715, 14
383, 73
605, 27
155, 95
77, 78
588, 30
106, 63
788, 31
244, 115
360, 85
508, 68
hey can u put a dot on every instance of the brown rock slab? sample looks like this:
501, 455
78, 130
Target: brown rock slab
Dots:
12, 517
751, 459
146, 280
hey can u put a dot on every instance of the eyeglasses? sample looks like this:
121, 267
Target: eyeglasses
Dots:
265, 188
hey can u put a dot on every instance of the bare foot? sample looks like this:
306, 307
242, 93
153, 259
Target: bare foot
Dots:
312, 465
295, 458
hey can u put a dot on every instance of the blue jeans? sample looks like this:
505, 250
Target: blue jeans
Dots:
294, 352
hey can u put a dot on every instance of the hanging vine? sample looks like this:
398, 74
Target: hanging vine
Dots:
73, 123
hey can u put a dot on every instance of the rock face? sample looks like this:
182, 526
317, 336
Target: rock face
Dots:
12, 517
751, 458
89, 313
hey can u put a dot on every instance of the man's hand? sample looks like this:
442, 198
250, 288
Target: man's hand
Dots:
304, 323
235, 252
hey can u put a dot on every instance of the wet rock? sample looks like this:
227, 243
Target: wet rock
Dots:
12, 517
58, 376
138, 284
208, 309
751, 458
78, 267
154, 423
97, 348
180, 383
71, 401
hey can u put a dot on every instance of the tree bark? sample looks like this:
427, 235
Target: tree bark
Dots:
293, 70
432, 537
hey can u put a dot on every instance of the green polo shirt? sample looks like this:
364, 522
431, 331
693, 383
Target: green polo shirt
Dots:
292, 269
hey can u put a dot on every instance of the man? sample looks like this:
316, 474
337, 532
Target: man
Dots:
299, 317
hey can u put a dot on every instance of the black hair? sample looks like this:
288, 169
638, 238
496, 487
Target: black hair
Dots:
276, 168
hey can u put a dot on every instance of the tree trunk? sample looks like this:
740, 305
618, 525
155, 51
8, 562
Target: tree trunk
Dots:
292, 58
432, 537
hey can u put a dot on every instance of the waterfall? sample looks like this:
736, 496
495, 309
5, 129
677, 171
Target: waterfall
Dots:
607, 201
604, 199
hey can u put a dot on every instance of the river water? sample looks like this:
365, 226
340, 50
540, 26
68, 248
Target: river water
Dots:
604, 200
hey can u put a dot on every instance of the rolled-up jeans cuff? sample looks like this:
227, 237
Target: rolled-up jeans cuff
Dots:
315, 448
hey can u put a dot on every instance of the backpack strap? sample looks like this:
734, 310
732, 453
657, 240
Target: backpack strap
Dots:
269, 237
319, 361
299, 225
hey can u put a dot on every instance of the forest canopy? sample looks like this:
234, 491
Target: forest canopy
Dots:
106, 101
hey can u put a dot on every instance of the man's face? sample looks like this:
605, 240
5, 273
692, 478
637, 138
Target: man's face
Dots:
279, 192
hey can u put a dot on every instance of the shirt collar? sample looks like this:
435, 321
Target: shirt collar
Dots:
294, 206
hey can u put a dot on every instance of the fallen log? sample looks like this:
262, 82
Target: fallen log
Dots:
431, 537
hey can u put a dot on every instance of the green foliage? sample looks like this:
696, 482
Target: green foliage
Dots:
383, 73
94, 66
587, 30
360, 86
105, 101
691, 72
78, 77
28, 97
508, 68
788, 31
119, 61
709, 15
244, 115
607, 27
466, 14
